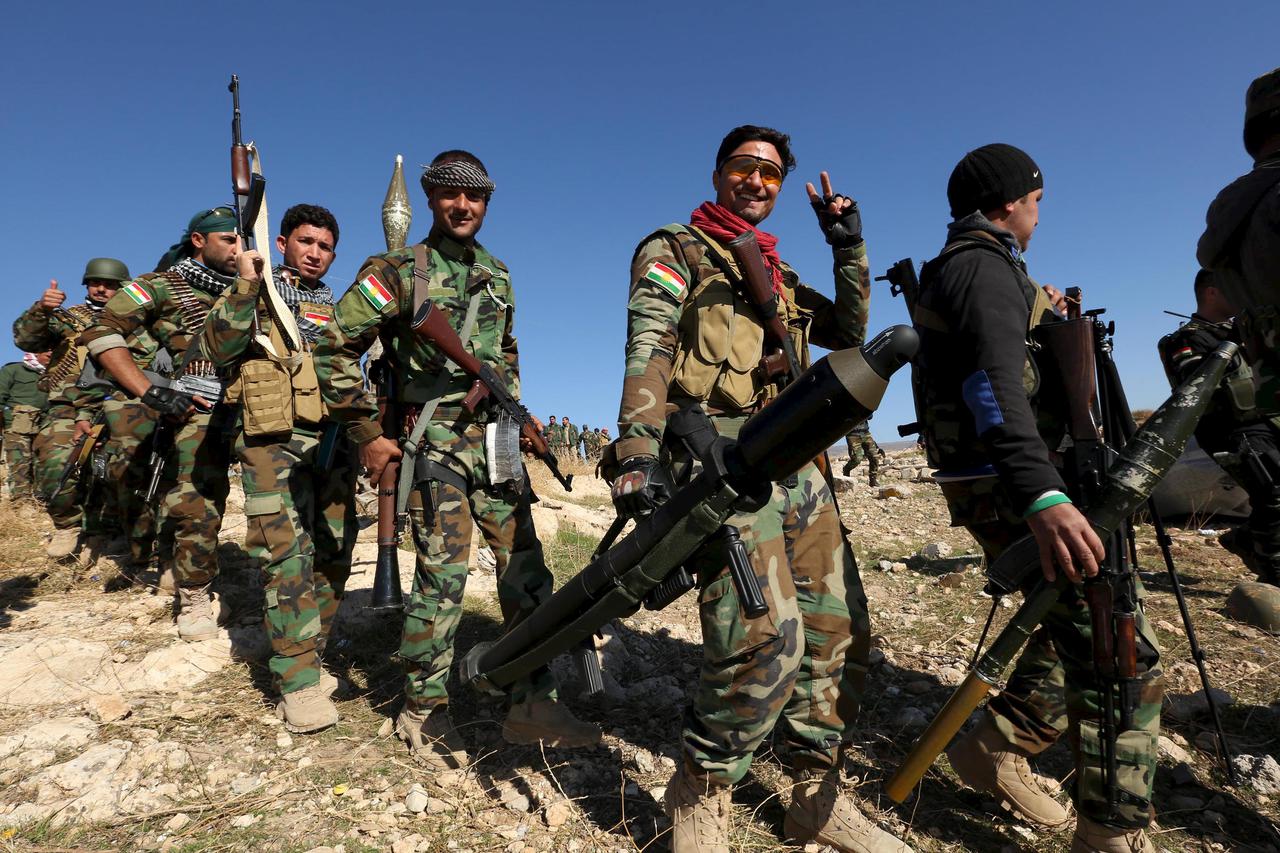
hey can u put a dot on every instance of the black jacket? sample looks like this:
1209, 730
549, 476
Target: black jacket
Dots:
979, 416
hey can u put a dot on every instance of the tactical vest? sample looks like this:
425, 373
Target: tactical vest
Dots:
941, 418
721, 337
1236, 395
278, 394
68, 356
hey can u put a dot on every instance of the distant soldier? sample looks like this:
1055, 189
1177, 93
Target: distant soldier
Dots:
584, 442
299, 469
571, 437
21, 402
597, 444
172, 305
1233, 431
1241, 241
48, 325
460, 489
862, 446
555, 435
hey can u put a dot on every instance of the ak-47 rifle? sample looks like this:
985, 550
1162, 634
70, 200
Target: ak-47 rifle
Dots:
782, 363
162, 437
1139, 467
431, 323
81, 451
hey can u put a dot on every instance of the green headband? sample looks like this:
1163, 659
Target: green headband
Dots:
217, 220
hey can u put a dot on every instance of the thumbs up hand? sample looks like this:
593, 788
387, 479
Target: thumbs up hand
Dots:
53, 298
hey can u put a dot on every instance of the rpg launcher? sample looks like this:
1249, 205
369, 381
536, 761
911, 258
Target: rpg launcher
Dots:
1143, 462
431, 323
820, 406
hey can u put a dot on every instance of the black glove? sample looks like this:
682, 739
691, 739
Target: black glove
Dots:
842, 230
641, 488
167, 402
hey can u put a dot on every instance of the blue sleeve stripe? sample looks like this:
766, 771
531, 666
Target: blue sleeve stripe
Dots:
980, 397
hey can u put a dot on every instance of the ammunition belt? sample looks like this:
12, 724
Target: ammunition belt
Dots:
66, 362
194, 312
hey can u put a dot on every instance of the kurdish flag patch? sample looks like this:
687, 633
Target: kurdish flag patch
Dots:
137, 293
318, 319
666, 278
375, 291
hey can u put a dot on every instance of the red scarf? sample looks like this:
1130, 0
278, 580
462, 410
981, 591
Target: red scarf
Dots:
724, 225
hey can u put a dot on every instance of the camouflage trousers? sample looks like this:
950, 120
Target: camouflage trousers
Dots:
131, 426
301, 531
442, 527
19, 453
195, 490
802, 665
1054, 689
863, 447
82, 501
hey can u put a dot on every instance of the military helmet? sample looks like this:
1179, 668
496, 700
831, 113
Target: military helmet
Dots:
1261, 104
105, 269
1256, 604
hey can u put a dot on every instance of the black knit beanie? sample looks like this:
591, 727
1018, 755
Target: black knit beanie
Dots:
989, 176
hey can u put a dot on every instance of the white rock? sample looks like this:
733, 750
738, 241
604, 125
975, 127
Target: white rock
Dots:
1173, 751
557, 814
1262, 772
57, 733
178, 822
96, 765
935, 551
416, 800
108, 708
244, 821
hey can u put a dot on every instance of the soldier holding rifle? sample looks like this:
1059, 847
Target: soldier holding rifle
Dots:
986, 432
696, 337
464, 465
298, 467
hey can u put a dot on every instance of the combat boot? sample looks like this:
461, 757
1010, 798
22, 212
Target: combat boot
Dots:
196, 621
985, 761
822, 814
63, 543
1093, 837
167, 582
308, 709
433, 741
551, 723
699, 812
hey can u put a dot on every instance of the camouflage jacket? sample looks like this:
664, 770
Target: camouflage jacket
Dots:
671, 270
1232, 406
1241, 240
37, 330
18, 387
555, 435
228, 336
162, 305
379, 305
571, 435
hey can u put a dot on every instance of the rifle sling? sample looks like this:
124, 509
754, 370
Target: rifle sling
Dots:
404, 485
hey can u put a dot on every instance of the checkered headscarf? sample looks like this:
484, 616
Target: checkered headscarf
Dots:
457, 173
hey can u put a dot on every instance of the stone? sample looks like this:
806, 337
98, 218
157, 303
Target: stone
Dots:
557, 814
1173, 751
918, 688
951, 580
406, 845
109, 707
57, 733
1262, 772
437, 806
643, 761
899, 491
1185, 803
913, 718
517, 803
284, 741
416, 800
1188, 706
935, 551
950, 676
178, 822
244, 821
1183, 775
875, 657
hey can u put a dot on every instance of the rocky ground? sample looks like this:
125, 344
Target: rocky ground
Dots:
114, 735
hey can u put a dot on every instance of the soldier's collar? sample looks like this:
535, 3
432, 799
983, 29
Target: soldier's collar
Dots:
451, 248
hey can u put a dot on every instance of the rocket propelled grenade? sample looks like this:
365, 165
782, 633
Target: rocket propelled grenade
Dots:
397, 213
810, 414
1139, 467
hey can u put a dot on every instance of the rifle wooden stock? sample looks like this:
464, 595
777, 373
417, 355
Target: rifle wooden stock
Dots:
759, 286
1071, 364
433, 324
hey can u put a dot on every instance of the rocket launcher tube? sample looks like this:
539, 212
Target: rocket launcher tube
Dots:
839, 391
1142, 464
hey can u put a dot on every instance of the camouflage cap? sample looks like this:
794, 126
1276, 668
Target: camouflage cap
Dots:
1262, 99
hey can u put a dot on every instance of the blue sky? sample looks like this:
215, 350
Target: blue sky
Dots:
599, 123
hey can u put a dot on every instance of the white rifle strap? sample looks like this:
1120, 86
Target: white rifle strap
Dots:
279, 309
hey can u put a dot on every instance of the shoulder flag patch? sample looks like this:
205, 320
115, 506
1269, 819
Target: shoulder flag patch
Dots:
137, 293
666, 278
375, 291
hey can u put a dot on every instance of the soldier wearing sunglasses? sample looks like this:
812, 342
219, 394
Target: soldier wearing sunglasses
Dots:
694, 338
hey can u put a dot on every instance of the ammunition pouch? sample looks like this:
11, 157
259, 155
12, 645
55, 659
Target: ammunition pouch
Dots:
266, 397
502, 451
24, 420
308, 406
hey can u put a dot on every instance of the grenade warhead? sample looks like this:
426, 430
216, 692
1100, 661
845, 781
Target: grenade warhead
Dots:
396, 211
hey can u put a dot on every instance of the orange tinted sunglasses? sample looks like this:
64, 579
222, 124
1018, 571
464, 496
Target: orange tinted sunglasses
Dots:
744, 166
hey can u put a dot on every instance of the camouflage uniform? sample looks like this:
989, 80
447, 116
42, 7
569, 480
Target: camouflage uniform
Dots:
21, 402
569, 445
555, 437
37, 330
861, 447
379, 304
172, 309
1234, 433
692, 339
301, 509
975, 309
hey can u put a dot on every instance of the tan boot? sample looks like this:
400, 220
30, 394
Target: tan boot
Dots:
433, 741
820, 812
63, 543
167, 583
1093, 837
308, 709
195, 614
986, 761
699, 813
550, 722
